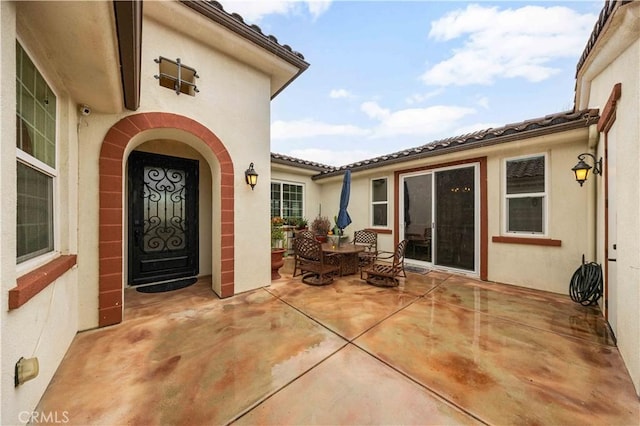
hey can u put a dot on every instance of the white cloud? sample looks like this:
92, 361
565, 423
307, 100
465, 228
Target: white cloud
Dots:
333, 157
318, 7
463, 130
252, 11
420, 122
483, 101
375, 111
418, 98
309, 128
340, 93
507, 43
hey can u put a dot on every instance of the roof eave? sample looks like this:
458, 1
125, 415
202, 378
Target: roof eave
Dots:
252, 33
128, 16
298, 163
528, 134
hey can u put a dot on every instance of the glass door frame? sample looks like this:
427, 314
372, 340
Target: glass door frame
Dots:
476, 165
401, 214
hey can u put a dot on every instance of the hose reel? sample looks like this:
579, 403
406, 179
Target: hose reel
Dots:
586, 284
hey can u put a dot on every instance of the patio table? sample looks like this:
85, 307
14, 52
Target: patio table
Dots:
348, 256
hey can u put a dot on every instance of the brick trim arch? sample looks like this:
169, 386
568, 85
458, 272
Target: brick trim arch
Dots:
110, 222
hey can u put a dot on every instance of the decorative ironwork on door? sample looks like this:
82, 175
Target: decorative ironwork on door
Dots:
163, 226
164, 207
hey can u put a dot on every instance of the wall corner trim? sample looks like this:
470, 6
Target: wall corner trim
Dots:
608, 115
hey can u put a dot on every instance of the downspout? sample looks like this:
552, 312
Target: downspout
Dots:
592, 200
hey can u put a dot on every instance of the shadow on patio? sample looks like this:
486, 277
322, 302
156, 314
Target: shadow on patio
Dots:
440, 349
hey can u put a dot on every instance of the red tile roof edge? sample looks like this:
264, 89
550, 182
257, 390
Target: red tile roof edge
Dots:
551, 123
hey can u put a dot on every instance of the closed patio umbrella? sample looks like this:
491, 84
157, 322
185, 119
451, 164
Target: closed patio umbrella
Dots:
343, 216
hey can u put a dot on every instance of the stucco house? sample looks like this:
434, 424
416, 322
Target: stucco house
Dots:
503, 204
122, 111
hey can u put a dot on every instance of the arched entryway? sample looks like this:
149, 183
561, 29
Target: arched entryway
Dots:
112, 156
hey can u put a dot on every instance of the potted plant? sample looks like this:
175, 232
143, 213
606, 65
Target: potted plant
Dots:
277, 250
338, 234
320, 227
302, 223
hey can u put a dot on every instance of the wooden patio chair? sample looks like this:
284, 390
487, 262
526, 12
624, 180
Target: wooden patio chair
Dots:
385, 270
369, 239
316, 267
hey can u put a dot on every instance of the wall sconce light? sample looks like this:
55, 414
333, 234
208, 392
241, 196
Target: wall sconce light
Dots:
26, 369
581, 170
250, 176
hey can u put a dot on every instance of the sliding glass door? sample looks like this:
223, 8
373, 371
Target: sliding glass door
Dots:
440, 217
418, 216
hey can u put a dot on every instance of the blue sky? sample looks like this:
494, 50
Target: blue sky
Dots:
391, 75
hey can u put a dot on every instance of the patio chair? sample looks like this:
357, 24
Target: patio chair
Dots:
385, 270
304, 234
313, 264
299, 235
369, 239
423, 241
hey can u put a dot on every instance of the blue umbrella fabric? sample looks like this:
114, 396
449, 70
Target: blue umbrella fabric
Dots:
343, 216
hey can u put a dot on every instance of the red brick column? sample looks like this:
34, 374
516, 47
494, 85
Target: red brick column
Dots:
111, 249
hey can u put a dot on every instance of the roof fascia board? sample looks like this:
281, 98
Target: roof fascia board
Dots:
128, 16
297, 166
251, 33
248, 32
293, 169
615, 35
608, 10
529, 134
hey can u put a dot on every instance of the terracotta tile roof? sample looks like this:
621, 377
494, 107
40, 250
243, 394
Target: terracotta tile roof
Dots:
551, 123
297, 162
605, 13
233, 21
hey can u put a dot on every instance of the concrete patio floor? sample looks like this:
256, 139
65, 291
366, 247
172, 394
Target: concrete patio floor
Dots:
439, 349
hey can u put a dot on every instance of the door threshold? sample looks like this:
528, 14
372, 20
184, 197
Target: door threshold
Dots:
170, 285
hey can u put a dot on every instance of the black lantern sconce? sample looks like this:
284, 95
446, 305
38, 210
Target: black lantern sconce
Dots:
581, 170
250, 176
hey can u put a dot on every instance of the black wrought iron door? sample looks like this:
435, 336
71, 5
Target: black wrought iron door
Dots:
163, 218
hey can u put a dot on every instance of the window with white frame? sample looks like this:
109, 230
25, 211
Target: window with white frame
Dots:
36, 159
287, 200
526, 194
379, 202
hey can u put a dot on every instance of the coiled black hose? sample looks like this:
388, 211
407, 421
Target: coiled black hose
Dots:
586, 284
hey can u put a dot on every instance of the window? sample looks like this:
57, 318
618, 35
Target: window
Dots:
36, 159
176, 76
526, 195
286, 200
379, 202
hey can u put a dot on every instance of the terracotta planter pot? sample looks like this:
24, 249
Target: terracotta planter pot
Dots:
321, 238
277, 261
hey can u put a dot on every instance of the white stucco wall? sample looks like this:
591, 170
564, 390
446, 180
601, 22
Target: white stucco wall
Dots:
545, 268
45, 325
538, 267
233, 102
360, 203
625, 69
